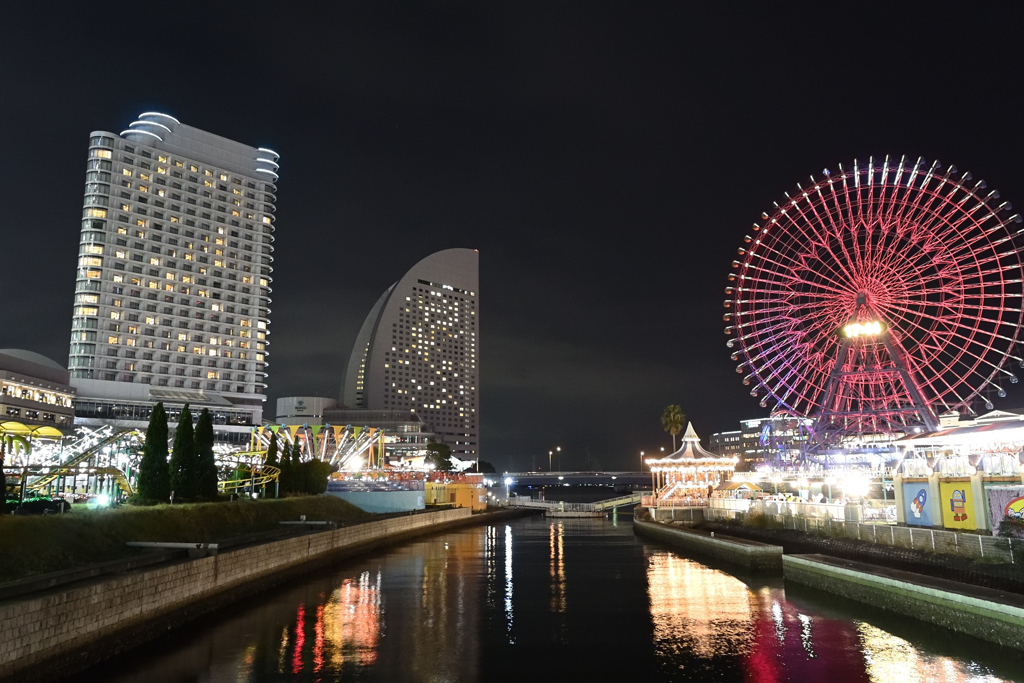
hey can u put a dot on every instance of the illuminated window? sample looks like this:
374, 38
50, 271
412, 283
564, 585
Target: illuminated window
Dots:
130, 342
121, 254
126, 171
93, 273
94, 249
115, 315
154, 261
96, 213
101, 153
112, 339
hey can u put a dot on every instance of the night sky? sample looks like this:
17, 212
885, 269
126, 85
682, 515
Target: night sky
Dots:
605, 158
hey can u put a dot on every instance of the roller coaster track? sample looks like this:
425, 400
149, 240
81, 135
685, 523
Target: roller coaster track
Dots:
266, 474
81, 451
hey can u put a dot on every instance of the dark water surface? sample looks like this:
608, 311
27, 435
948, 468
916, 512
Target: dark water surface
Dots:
569, 600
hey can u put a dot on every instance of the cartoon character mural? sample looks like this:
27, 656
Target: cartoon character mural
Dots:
1005, 501
915, 497
957, 505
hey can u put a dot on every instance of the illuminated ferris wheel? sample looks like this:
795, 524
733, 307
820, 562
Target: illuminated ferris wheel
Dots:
877, 297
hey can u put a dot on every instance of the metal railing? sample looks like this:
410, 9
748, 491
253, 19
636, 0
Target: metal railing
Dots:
978, 546
654, 501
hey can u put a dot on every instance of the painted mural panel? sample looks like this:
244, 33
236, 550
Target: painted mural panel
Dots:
957, 505
916, 504
1005, 501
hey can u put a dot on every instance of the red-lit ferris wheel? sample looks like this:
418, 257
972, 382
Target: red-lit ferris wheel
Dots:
878, 297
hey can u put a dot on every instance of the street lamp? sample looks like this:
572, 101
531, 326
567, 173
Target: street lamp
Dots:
559, 449
641, 461
550, 453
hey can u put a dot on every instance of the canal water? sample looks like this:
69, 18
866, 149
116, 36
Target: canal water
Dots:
553, 600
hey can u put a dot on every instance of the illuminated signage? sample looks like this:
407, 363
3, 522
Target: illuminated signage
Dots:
865, 329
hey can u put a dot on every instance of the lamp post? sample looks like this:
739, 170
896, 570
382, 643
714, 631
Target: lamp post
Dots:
550, 453
559, 450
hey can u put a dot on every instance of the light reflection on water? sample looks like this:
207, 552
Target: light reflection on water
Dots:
708, 613
569, 599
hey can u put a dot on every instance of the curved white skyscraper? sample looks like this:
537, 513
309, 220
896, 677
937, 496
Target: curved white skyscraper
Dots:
419, 349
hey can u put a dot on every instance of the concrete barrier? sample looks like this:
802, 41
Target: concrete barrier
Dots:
752, 555
984, 613
56, 632
687, 515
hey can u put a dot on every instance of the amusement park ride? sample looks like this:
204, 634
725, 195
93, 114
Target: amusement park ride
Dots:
104, 460
875, 299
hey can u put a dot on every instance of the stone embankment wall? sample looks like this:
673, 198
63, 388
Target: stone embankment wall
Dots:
46, 635
749, 554
980, 612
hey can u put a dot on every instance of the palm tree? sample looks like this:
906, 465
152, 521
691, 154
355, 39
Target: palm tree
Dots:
673, 420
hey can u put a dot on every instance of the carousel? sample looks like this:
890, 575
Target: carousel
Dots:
690, 472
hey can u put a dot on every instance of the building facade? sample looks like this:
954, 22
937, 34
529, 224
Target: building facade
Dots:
727, 443
303, 409
419, 350
35, 390
172, 292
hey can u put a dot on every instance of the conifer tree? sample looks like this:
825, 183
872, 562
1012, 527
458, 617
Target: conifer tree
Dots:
184, 465
3, 477
154, 483
298, 473
271, 461
207, 465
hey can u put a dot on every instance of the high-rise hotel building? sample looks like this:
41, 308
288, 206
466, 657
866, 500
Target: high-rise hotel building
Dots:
172, 294
419, 350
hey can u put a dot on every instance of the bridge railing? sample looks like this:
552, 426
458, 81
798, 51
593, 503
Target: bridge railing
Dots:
654, 501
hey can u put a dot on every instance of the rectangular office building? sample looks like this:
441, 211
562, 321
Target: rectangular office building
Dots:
172, 294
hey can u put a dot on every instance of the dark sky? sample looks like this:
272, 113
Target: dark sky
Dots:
605, 158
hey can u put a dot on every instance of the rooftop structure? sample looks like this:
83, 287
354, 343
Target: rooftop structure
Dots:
35, 390
304, 409
172, 295
419, 350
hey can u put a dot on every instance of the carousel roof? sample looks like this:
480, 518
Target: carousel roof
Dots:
690, 452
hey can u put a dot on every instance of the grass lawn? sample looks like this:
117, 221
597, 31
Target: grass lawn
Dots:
40, 544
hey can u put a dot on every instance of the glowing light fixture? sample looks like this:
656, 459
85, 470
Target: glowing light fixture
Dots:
865, 329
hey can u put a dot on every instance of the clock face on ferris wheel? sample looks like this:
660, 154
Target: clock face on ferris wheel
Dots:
877, 284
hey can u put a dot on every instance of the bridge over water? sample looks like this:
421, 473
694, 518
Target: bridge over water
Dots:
616, 479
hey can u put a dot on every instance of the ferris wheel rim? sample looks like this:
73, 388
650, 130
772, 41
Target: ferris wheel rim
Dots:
941, 290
